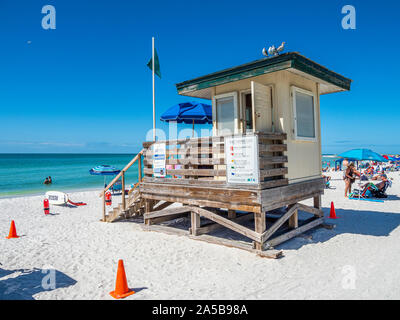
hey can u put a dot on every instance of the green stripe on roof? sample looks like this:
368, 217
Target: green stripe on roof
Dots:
263, 66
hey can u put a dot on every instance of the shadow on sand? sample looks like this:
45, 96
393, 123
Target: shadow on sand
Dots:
369, 223
28, 282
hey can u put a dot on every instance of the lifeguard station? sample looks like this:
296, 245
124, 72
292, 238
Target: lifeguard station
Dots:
264, 155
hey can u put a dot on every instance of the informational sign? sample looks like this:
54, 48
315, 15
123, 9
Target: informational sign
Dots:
159, 160
241, 154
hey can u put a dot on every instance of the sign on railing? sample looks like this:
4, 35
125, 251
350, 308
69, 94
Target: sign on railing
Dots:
241, 154
159, 156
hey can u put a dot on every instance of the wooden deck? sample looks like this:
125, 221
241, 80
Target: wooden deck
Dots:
200, 184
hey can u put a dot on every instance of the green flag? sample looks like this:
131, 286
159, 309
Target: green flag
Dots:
156, 64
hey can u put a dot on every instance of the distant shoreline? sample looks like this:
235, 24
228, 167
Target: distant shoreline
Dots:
37, 194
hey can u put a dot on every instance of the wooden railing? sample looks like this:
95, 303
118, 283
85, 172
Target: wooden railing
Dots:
121, 175
201, 161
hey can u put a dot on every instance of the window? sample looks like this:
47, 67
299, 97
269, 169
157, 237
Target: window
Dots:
304, 114
225, 106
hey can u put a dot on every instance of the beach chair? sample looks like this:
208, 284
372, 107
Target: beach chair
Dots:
365, 191
117, 187
370, 192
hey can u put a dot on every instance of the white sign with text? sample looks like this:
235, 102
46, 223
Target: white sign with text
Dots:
159, 160
241, 155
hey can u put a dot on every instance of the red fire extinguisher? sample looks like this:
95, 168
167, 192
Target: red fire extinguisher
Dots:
108, 198
46, 206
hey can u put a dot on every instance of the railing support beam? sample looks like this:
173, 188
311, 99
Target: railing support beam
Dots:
123, 191
104, 206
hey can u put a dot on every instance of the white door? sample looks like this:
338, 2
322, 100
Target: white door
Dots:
262, 107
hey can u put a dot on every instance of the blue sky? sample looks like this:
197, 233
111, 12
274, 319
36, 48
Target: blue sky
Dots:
85, 87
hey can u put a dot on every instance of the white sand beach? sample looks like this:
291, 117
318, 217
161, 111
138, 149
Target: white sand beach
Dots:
358, 259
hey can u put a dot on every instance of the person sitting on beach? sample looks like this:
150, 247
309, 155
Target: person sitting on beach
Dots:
380, 176
369, 170
384, 181
350, 177
46, 181
381, 185
327, 178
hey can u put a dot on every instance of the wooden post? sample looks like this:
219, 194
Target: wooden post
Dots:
148, 207
195, 221
104, 206
260, 226
140, 168
123, 191
294, 220
231, 214
317, 203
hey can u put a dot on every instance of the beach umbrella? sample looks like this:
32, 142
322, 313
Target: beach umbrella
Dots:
388, 157
189, 113
104, 170
362, 154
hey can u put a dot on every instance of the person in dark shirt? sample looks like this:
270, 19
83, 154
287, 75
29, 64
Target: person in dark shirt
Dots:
350, 177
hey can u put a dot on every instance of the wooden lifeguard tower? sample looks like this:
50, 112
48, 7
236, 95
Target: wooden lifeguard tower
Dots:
264, 155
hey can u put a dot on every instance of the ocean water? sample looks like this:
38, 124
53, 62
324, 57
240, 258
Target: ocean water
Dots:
22, 174
329, 160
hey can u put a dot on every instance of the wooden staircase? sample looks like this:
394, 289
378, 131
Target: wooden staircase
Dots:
131, 206
134, 207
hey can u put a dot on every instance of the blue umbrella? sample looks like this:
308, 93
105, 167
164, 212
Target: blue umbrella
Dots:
104, 170
388, 157
362, 154
189, 113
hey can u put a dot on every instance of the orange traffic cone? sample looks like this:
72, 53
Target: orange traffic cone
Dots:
332, 214
121, 286
13, 231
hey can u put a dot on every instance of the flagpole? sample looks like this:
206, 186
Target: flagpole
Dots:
154, 98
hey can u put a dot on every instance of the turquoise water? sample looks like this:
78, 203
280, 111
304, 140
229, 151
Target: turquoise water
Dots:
22, 174
329, 160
